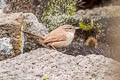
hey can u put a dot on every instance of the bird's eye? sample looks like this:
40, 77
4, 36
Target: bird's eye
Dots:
70, 28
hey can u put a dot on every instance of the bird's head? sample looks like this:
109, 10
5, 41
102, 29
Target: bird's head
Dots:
69, 28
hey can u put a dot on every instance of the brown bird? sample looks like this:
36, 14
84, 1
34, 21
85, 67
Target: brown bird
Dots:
58, 38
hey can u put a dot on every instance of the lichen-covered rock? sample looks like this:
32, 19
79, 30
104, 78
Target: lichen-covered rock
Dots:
32, 25
2, 4
30, 6
54, 65
5, 46
10, 28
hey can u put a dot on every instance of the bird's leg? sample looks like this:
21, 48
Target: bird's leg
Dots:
64, 50
46, 46
53, 47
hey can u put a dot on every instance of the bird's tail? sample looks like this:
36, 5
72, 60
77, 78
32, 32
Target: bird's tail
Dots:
41, 38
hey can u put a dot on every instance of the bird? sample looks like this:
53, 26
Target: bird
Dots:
58, 38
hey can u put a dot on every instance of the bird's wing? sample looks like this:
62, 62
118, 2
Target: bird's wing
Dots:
55, 38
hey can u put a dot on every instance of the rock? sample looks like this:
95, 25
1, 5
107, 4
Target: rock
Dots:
5, 46
32, 25
1, 11
12, 18
11, 26
10, 34
55, 65
99, 13
2, 4
32, 6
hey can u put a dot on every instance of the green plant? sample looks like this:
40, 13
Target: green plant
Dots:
86, 26
59, 6
45, 78
90, 26
54, 21
71, 9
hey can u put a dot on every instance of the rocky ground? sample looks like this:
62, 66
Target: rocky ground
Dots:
47, 63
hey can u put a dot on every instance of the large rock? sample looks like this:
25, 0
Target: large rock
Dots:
54, 65
30, 6
12, 39
99, 13
32, 25
10, 34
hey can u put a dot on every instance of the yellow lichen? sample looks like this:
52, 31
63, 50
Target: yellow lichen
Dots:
86, 27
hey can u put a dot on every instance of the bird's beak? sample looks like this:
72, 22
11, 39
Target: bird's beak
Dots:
77, 27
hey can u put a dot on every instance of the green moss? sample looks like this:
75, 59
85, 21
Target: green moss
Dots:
59, 6
71, 9
60, 19
60, 12
86, 26
45, 78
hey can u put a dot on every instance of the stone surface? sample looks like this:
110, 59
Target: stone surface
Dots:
32, 25
10, 28
30, 6
5, 46
99, 13
54, 65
